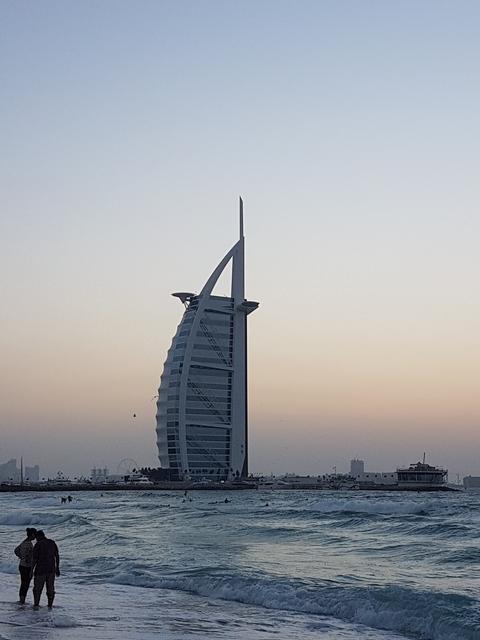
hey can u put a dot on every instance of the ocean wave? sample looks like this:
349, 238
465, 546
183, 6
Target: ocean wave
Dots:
443, 529
76, 504
465, 557
29, 519
371, 507
425, 615
9, 567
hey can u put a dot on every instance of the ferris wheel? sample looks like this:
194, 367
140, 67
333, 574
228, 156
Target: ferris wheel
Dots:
126, 466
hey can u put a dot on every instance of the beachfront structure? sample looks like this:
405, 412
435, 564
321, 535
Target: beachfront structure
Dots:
422, 475
202, 412
357, 471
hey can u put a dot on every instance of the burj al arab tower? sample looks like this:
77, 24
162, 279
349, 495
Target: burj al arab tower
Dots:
202, 415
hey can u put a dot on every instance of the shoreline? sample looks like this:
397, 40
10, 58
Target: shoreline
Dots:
186, 486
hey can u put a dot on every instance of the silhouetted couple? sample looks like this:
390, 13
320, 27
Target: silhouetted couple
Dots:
40, 561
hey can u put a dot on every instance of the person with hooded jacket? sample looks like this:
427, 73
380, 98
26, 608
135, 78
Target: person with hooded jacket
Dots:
46, 565
24, 552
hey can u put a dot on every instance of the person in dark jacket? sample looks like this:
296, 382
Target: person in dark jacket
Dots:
45, 566
24, 552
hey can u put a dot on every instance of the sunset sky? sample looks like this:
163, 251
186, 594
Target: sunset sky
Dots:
351, 129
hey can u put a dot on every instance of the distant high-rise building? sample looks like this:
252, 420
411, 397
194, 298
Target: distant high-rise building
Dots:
9, 471
357, 467
32, 474
202, 400
471, 482
99, 475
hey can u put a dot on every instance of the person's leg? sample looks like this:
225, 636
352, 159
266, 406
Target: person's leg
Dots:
25, 575
38, 582
20, 593
50, 589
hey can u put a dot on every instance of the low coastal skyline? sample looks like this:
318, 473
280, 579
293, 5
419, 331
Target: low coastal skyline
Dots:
351, 131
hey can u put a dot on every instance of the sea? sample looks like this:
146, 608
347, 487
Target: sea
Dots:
249, 565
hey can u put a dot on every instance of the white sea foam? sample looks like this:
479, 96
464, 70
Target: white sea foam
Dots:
126, 613
369, 506
63, 621
392, 609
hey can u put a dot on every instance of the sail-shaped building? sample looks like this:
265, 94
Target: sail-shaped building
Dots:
202, 414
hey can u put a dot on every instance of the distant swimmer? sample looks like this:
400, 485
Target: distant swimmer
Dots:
24, 552
134, 415
226, 501
45, 566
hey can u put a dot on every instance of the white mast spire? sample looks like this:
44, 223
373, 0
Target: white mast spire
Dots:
241, 217
238, 266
